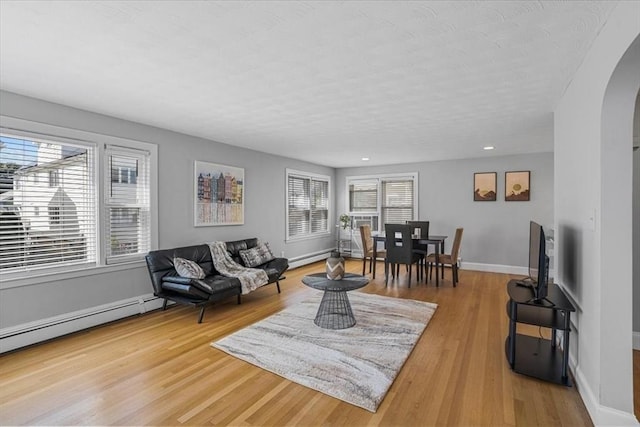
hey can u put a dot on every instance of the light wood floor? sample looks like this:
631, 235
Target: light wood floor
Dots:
158, 369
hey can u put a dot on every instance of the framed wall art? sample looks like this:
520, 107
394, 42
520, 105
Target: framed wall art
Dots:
516, 186
218, 194
484, 186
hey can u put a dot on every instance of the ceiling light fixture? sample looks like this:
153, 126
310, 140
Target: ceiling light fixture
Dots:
365, 159
488, 147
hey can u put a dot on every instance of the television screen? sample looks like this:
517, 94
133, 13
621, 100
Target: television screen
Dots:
538, 261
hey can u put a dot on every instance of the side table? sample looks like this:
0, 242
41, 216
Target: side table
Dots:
335, 310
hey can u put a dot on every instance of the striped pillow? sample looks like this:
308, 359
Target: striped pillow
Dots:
188, 268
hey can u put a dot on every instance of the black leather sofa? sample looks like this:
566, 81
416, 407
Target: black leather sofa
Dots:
169, 285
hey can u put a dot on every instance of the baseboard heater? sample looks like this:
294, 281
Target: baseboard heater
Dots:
26, 334
299, 261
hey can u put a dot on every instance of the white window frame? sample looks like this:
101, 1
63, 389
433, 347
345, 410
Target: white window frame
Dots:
310, 176
28, 129
379, 178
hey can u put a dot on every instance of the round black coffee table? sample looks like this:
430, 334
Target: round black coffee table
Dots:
335, 310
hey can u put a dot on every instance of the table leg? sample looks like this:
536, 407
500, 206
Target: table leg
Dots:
335, 311
442, 251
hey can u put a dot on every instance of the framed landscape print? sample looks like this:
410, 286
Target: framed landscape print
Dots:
516, 186
484, 186
218, 194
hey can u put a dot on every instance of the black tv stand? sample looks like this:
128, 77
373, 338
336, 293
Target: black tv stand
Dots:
532, 355
544, 302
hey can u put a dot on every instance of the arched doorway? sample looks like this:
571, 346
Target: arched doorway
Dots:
616, 275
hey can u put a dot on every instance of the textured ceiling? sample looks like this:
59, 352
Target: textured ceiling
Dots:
327, 82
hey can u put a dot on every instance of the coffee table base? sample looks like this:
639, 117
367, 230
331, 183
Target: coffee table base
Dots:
335, 311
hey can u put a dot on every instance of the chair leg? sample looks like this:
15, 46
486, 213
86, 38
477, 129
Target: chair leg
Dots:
409, 268
201, 314
386, 273
364, 264
239, 299
164, 304
454, 272
278, 285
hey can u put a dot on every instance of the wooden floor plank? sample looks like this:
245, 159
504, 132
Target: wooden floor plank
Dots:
159, 369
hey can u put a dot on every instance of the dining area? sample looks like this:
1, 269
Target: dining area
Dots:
412, 245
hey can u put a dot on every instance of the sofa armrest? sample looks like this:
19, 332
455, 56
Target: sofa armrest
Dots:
185, 290
179, 280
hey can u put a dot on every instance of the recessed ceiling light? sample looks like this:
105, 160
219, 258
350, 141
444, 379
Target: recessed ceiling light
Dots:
365, 159
488, 147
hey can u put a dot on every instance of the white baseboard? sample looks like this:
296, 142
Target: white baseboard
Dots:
309, 258
494, 268
26, 334
600, 415
636, 340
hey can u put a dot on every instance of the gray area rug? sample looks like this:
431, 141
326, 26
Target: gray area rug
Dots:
357, 365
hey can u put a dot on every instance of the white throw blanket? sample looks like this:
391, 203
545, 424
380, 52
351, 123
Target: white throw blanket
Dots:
250, 278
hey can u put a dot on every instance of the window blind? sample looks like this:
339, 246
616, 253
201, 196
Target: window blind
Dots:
308, 205
47, 204
127, 204
363, 196
397, 201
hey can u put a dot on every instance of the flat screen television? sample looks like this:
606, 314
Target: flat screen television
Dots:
538, 263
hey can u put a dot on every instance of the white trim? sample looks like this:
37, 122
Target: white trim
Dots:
25, 334
495, 268
310, 258
45, 276
600, 415
636, 340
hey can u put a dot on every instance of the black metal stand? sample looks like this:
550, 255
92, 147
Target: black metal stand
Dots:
534, 356
335, 311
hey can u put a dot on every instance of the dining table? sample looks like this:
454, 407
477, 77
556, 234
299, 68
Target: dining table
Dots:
435, 240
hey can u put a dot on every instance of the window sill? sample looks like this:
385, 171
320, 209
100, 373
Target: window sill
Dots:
47, 276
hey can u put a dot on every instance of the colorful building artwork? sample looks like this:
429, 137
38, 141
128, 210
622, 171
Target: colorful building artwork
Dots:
219, 194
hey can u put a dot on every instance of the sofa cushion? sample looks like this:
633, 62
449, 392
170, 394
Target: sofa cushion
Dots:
188, 268
258, 255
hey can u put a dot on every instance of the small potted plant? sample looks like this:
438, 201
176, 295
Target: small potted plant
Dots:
345, 221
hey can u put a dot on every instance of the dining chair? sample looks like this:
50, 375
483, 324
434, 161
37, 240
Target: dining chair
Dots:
448, 259
399, 250
367, 250
421, 250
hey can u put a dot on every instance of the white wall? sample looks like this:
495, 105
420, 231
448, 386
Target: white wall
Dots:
264, 210
636, 224
593, 216
496, 234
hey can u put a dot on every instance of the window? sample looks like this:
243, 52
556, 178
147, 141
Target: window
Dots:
54, 178
127, 203
66, 233
83, 223
307, 205
383, 199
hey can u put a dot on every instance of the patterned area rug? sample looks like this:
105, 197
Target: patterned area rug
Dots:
357, 365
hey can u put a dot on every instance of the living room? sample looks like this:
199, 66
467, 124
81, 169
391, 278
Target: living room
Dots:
38, 307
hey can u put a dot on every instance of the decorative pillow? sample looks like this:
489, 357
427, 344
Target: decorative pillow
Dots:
188, 268
257, 255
